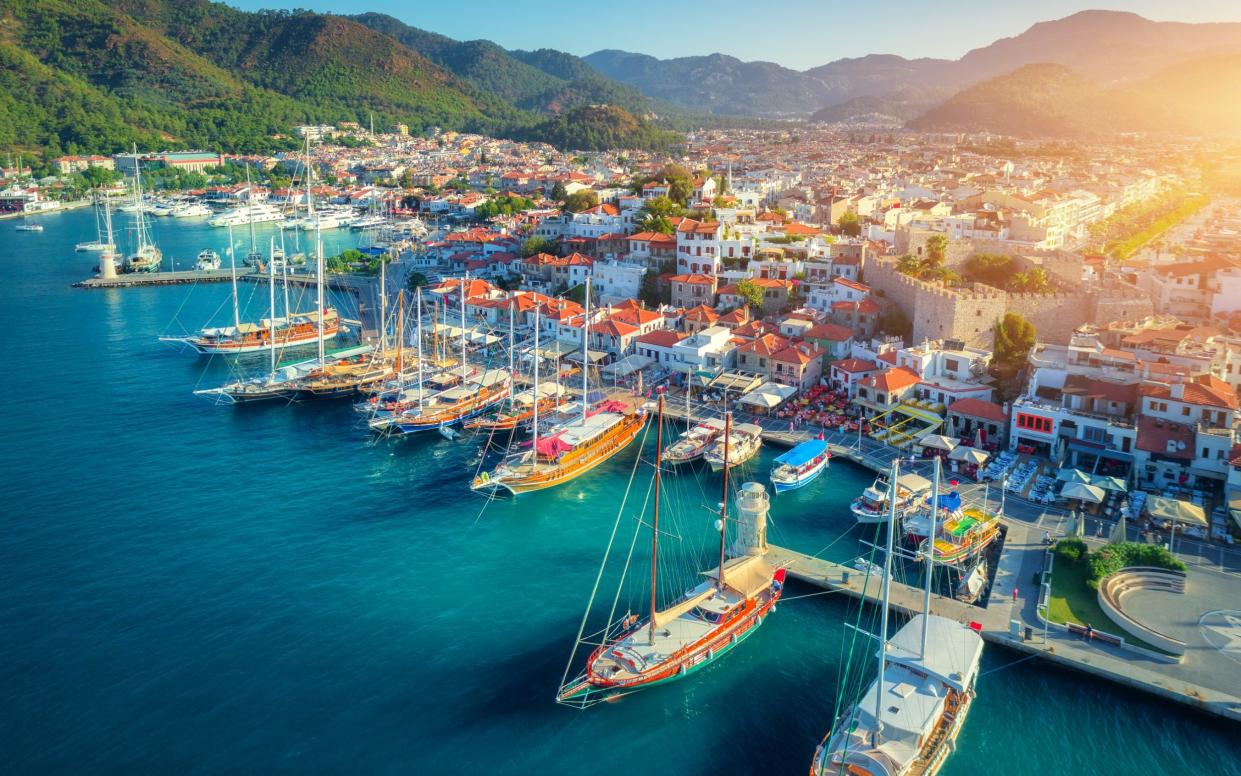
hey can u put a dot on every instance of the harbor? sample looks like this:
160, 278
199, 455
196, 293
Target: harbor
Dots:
346, 536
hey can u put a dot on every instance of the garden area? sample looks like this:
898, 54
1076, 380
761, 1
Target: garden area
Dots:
1078, 570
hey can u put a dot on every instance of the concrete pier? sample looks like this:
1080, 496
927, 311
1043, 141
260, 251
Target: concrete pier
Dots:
178, 278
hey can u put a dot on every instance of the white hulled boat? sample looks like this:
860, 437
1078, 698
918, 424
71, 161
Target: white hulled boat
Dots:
872, 505
742, 444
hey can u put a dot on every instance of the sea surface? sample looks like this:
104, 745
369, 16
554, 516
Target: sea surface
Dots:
186, 587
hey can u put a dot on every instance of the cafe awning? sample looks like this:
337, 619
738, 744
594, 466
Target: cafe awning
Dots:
769, 395
971, 455
1083, 492
1073, 475
937, 442
1164, 508
628, 364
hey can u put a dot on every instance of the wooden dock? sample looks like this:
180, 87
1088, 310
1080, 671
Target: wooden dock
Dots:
179, 278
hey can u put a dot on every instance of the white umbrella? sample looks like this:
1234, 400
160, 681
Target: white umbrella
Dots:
1109, 483
1083, 492
1073, 475
938, 442
970, 455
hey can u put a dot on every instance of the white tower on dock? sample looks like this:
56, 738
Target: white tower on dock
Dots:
107, 264
752, 507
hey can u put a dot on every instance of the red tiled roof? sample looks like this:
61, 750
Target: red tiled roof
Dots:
979, 408
662, 338
702, 313
802, 353
854, 365
1154, 435
701, 280
1206, 390
829, 331
892, 380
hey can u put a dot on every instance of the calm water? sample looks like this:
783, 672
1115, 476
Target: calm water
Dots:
185, 586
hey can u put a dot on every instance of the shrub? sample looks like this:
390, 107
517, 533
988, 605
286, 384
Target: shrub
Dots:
1070, 550
1115, 557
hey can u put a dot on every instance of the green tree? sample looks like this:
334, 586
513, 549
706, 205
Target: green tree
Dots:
559, 193
937, 249
537, 244
415, 280
1014, 339
581, 200
994, 269
752, 294
650, 292
849, 224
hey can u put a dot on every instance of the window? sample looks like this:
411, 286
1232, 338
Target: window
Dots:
1185, 411
1034, 423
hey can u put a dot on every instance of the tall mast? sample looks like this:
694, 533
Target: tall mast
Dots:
435, 330
250, 207
538, 324
929, 558
400, 330
271, 303
659, 457
511, 315
139, 223
883, 616
232, 263
728, 427
418, 302
463, 364
319, 277
310, 197
586, 356
383, 309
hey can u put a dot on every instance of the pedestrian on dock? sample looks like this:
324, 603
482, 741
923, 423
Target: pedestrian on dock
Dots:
1014, 594
1089, 632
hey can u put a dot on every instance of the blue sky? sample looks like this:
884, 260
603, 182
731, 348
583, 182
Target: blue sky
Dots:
795, 33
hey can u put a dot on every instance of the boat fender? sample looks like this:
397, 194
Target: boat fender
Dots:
732, 639
772, 610
710, 654
683, 670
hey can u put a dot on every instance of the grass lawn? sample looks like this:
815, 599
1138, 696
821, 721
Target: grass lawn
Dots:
1072, 601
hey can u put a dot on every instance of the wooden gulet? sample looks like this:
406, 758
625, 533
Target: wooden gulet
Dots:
702, 626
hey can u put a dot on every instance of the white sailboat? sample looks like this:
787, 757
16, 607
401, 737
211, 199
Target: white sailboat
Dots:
907, 722
99, 243
147, 257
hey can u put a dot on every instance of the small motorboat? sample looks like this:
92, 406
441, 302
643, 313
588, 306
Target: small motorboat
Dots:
800, 465
207, 260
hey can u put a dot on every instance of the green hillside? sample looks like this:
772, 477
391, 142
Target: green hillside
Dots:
79, 76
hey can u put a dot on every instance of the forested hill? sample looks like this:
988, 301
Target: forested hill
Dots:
80, 76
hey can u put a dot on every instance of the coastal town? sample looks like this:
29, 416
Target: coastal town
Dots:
955, 413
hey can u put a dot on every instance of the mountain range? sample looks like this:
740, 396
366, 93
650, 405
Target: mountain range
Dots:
1107, 47
80, 76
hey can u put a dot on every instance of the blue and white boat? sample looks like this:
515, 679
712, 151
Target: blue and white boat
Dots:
800, 465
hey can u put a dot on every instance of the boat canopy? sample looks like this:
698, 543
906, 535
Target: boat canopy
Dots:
804, 453
950, 501
714, 423
952, 650
553, 446
492, 377
914, 483
595, 425
748, 429
749, 575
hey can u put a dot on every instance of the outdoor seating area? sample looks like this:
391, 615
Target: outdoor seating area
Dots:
999, 466
821, 406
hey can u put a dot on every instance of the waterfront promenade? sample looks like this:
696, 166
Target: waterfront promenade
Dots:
1206, 678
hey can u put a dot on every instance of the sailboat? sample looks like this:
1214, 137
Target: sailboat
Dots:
271, 333
572, 448
872, 505
476, 394
99, 243
907, 722
253, 258
697, 439
703, 625
735, 447
147, 257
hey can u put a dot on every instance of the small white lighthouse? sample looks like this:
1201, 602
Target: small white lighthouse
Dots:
752, 507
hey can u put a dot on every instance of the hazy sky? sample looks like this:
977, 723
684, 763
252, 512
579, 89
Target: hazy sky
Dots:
796, 33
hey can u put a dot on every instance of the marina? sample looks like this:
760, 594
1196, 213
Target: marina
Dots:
342, 554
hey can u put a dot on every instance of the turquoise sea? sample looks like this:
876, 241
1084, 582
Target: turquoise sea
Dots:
190, 587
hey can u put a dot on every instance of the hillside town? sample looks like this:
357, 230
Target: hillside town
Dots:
827, 279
